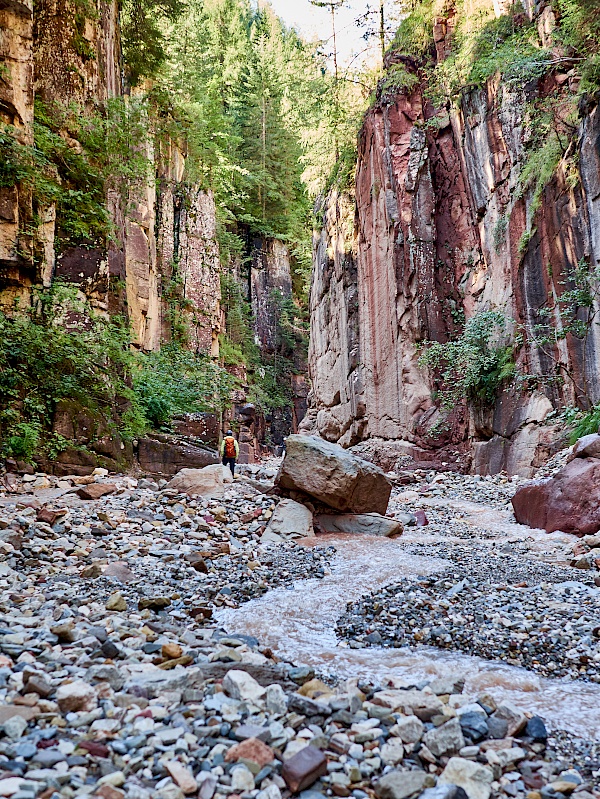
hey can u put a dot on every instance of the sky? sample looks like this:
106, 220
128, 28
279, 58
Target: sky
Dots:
315, 23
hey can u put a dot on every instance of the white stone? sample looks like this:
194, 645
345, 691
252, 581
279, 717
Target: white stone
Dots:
10, 785
242, 780
474, 778
76, 696
276, 700
14, 727
392, 752
409, 729
272, 792
240, 685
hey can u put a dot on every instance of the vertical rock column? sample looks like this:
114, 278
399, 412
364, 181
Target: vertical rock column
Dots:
188, 254
16, 109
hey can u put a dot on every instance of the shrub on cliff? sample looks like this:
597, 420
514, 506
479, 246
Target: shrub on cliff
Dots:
474, 366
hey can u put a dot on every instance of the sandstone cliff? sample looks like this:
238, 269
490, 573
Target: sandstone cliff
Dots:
441, 230
161, 244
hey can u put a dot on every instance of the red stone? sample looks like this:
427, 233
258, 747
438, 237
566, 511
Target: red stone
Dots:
305, 768
422, 520
251, 749
95, 490
567, 502
94, 748
109, 792
48, 516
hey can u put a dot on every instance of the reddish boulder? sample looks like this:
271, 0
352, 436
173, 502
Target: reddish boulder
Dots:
96, 490
567, 502
587, 446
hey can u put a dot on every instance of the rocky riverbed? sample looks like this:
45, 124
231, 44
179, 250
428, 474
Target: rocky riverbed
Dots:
117, 681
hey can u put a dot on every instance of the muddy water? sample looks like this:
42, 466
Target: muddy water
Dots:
299, 625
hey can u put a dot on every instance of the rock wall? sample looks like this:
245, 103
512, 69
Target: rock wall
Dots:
270, 273
425, 248
163, 231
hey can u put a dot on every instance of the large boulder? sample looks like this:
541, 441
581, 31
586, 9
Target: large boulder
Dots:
333, 476
207, 482
164, 454
568, 501
362, 523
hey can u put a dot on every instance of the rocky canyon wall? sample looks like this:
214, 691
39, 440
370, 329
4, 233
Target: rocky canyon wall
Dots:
161, 249
438, 230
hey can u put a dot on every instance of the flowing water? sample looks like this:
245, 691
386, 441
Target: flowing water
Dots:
299, 626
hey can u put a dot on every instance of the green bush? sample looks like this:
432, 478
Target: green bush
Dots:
396, 80
174, 381
589, 423
44, 360
539, 168
415, 33
474, 366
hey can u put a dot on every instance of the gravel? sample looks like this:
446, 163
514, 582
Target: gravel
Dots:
115, 682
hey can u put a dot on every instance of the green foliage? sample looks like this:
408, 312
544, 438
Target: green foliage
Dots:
74, 172
538, 170
499, 233
143, 35
590, 75
415, 33
88, 361
174, 381
484, 45
17, 162
589, 423
474, 366
524, 241
243, 93
44, 360
579, 30
23, 440
238, 321
396, 80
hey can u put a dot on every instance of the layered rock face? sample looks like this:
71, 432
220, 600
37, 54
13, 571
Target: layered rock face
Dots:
162, 245
439, 234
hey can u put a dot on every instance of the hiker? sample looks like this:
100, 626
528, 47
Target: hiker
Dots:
230, 451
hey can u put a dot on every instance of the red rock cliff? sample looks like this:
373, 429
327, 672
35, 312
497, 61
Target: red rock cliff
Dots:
423, 249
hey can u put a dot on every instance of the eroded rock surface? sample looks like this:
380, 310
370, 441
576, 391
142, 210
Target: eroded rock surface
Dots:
333, 476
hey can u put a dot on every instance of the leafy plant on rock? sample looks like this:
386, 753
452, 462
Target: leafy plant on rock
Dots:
476, 364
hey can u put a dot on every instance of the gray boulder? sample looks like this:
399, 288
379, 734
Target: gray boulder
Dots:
290, 520
362, 523
333, 476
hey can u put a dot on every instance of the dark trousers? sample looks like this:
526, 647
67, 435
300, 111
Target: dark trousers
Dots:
229, 462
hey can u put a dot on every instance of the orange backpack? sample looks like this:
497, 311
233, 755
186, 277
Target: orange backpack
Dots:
230, 447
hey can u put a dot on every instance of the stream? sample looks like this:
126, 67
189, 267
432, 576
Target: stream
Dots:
299, 626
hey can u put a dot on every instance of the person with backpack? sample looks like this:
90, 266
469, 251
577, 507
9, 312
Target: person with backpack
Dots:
230, 451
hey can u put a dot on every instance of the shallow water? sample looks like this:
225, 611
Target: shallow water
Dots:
299, 626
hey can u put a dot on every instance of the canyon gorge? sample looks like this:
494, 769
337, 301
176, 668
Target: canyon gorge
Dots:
299, 399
